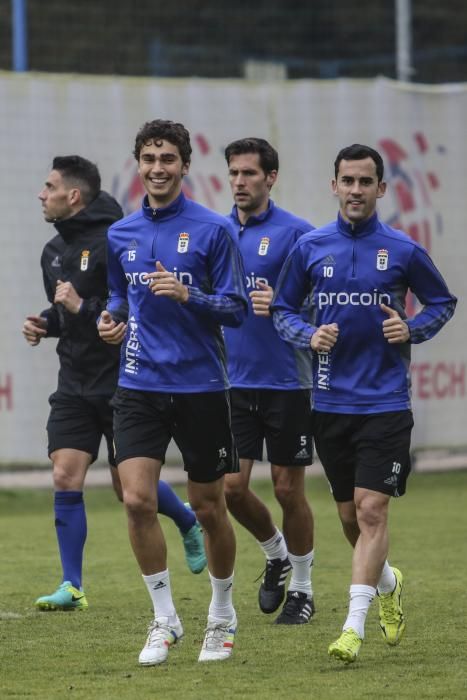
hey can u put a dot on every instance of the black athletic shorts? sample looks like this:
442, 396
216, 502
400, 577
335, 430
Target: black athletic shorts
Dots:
366, 451
199, 423
280, 418
78, 423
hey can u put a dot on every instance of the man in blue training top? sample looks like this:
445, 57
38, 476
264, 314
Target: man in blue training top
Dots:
74, 268
358, 271
177, 266
270, 388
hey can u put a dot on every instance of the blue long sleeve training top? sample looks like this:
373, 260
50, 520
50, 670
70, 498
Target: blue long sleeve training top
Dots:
349, 270
257, 356
173, 347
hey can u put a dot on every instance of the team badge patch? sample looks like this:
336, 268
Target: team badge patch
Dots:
84, 260
263, 246
183, 240
382, 259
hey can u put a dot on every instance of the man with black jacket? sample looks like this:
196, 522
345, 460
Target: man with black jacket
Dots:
74, 268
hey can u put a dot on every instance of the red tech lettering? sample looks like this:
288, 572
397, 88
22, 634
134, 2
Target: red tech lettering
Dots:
438, 381
6, 393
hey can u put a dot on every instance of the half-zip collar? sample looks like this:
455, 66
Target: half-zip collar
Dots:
168, 212
253, 220
363, 228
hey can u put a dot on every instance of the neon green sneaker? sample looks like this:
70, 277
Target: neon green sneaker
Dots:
66, 597
346, 647
193, 542
391, 617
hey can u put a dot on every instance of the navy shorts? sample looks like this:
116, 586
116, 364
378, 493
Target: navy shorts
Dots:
79, 423
280, 418
365, 451
199, 423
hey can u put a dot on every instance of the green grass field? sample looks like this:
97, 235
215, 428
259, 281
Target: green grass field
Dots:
95, 654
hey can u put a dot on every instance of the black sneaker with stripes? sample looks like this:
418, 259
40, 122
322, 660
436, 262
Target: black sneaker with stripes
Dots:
272, 589
298, 609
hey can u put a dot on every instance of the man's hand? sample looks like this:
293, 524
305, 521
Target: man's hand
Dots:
111, 332
395, 329
66, 294
34, 329
261, 299
324, 339
163, 283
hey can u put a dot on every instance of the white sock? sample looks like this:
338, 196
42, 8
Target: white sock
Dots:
158, 586
360, 601
387, 581
301, 573
275, 548
221, 607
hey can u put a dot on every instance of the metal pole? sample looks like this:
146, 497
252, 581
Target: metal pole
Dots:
20, 35
404, 39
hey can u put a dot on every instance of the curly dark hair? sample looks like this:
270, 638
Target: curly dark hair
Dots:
268, 156
159, 129
81, 173
359, 152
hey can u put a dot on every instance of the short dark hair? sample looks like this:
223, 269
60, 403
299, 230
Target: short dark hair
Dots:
81, 173
359, 152
159, 129
268, 156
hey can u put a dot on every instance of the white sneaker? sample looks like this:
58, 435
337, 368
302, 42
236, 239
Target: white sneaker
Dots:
161, 636
219, 640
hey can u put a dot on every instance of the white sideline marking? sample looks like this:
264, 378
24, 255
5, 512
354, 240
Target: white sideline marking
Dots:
6, 615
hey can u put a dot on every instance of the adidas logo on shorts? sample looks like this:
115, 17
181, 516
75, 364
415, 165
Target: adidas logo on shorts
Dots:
302, 454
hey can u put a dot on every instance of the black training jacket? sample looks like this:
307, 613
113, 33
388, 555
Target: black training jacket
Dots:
78, 254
